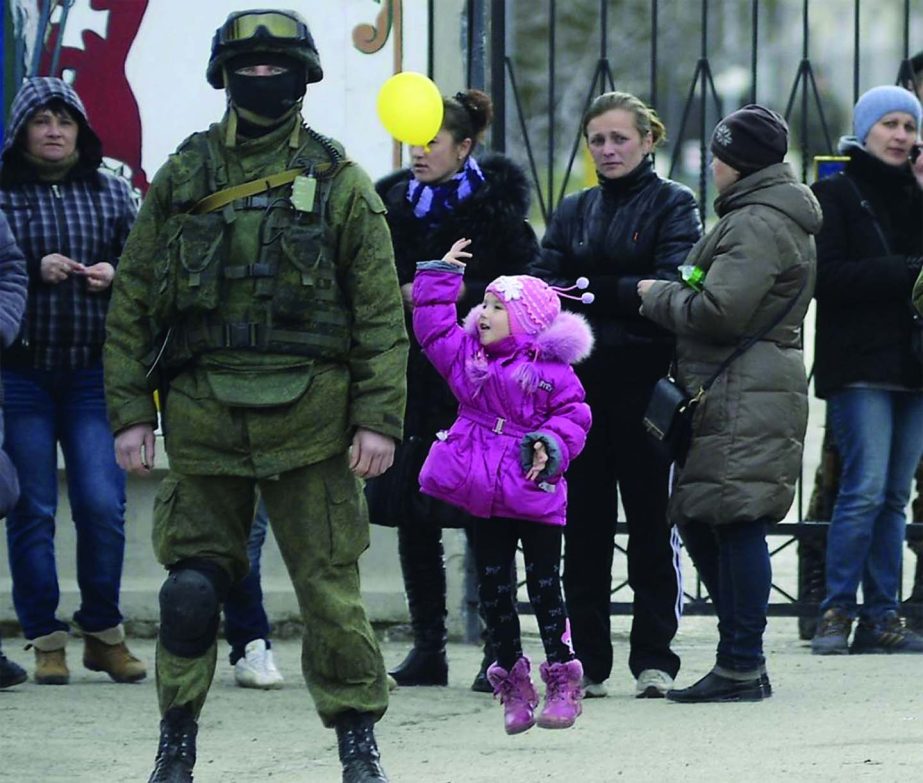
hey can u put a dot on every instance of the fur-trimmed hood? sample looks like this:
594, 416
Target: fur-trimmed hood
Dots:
501, 175
568, 339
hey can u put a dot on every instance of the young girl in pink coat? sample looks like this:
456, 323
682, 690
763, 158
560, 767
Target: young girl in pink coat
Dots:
521, 420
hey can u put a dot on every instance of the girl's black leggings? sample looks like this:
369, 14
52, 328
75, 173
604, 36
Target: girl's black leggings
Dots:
495, 543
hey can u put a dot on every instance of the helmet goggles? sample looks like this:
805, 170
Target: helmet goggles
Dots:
262, 25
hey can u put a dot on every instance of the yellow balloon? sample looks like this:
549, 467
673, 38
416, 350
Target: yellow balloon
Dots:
409, 105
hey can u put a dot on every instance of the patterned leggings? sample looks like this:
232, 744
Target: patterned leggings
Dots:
495, 543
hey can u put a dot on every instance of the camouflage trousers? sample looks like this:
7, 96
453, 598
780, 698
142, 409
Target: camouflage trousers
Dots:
320, 522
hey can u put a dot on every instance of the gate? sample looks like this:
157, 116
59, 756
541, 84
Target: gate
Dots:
693, 101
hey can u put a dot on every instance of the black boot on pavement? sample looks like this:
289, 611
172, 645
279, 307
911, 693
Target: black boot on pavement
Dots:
481, 683
176, 751
424, 581
716, 688
912, 611
11, 673
358, 750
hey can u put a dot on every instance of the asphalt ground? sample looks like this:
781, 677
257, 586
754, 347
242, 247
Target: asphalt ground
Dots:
844, 718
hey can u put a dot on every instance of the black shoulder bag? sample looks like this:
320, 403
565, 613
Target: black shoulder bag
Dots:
669, 413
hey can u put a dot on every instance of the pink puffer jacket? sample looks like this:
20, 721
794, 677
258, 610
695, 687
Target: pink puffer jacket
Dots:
511, 393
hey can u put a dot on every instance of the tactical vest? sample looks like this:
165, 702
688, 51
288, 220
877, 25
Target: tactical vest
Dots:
293, 302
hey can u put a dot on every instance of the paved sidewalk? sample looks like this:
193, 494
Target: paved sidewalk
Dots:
832, 719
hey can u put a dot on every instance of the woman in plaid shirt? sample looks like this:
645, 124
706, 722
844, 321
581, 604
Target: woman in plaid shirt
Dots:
70, 219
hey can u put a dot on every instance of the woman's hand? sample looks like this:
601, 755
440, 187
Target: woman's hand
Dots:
917, 167
457, 253
99, 276
539, 460
644, 286
56, 268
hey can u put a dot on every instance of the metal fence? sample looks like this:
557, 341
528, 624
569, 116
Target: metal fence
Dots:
491, 65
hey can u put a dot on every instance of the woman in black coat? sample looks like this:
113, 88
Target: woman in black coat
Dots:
869, 368
445, 195
633, 225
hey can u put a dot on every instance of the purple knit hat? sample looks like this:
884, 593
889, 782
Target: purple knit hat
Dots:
531, 303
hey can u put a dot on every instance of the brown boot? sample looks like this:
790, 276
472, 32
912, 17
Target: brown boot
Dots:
50, 662
105, 651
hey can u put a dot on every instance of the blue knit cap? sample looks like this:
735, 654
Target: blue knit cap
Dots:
879, 101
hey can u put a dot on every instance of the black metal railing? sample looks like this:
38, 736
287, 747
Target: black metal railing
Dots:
703, 105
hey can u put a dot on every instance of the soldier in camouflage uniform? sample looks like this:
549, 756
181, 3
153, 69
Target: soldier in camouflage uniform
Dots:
258, 288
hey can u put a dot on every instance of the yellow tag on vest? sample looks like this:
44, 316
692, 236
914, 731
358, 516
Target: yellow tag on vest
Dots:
303, 191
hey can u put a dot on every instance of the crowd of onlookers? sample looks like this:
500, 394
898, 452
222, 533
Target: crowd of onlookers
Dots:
853, 241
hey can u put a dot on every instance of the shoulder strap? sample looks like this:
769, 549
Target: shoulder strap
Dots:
864, 203
216, 201
751, 341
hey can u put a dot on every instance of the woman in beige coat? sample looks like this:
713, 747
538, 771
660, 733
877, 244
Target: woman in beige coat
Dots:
739, 477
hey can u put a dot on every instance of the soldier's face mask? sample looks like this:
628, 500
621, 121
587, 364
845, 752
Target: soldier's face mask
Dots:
270, 95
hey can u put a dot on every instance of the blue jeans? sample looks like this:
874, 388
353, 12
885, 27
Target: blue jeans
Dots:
733, 563
42, 409
244, 616
879, 436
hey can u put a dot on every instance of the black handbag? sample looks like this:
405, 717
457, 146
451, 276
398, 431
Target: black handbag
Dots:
669, 417
670, 410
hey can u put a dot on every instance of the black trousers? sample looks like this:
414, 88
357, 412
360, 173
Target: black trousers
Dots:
620, 457
495, 543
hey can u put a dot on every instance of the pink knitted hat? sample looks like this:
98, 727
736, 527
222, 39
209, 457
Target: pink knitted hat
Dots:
531, 303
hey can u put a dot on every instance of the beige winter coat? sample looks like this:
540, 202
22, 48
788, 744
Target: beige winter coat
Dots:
748, 433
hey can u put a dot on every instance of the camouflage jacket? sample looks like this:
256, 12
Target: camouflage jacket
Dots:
251, 410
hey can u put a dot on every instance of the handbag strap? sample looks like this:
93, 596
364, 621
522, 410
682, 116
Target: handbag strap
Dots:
751, 341
866, 205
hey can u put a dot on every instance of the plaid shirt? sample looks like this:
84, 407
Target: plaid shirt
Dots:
64, 325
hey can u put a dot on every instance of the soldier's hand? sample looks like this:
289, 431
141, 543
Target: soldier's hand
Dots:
134, 449
371, 453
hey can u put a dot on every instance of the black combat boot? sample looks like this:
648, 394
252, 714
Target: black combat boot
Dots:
422, 564
913, 605
176, 752
481, 684
358, 750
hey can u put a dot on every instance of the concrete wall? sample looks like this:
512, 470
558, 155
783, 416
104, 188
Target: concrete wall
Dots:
382, 585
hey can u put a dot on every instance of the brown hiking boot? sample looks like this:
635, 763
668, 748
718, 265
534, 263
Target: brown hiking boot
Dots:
50, 663
115, 660
51, 667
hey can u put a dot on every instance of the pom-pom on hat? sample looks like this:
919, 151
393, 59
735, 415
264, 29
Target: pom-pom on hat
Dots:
531, 303
750, 139
879, 101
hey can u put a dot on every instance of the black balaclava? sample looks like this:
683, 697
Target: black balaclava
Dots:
268, 98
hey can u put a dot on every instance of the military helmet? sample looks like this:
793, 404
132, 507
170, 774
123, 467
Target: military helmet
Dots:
263, 30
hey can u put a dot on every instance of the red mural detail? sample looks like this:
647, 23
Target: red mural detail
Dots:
101, 82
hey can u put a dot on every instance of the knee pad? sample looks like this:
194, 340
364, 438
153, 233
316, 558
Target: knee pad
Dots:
189, 612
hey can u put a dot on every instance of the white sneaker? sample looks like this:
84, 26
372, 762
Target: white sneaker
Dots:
257, 669
653, 684
593, 690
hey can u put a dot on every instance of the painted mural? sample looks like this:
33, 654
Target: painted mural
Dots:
139, 66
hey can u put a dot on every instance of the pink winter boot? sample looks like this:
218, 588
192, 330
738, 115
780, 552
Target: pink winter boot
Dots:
517, 694
562, 694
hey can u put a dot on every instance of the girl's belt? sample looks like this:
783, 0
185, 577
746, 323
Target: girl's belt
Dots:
496, 424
